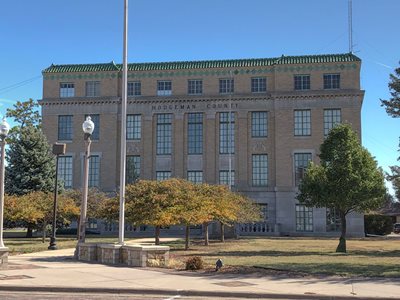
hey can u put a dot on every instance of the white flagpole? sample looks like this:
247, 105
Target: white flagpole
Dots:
123, 129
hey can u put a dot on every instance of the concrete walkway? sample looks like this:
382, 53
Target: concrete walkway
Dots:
57, 271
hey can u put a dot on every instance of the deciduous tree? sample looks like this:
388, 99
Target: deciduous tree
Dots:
347, 180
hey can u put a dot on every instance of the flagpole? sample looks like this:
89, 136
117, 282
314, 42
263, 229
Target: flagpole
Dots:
123, 128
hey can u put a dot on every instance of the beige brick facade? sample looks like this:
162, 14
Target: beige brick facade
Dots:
279, 100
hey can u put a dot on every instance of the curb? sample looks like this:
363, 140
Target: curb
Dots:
245, 295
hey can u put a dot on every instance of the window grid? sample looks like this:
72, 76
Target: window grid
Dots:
67, 90
331, 81
301, 162
259, 124
226, 86
134, 88
94, 171
64, 128
164, 134
333, 222
92, 88
304, 218
332, 117
258, 85
163, 175
260, 170
195, 87
224, 177
195, 176
301, 82
164, 88
133, 127
96, 121
65, 170
302, 122
195, 133
226, 133
132, 168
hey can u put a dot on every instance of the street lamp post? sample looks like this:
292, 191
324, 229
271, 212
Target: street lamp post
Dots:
4, 129
58, 149
88, 127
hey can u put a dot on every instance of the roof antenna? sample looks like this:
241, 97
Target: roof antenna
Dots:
350, 11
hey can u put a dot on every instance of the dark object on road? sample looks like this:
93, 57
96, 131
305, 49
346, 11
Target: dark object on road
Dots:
218, 265
396, 228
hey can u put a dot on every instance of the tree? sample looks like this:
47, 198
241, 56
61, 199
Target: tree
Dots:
392, 105
347, 180
25, 114
31, 165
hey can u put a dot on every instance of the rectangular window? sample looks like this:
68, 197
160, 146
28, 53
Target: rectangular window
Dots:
264, 211
259, 85
96, 132
226, 133
259, 124
163, 175
260, 170
304, 218
92, 88
224, 177
134, 88
94, 171
301, 162
331, 81
333, 222
164, 88
164, 134
195, 176
65, 171
226, 86
133, 127
195, 87
195, 133
331, 118
302, 122
301, 82
65, 128
132, 168
67, 90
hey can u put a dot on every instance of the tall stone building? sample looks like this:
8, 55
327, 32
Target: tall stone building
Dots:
263, 119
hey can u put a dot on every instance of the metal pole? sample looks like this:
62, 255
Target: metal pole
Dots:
82, 223
123, 129
2, 177
53, 243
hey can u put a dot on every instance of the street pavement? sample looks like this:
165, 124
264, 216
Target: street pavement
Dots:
51, 272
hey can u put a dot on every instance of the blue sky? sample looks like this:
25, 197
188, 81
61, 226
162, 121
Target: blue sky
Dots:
34, 34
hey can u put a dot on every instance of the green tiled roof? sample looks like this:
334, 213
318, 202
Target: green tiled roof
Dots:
205, 64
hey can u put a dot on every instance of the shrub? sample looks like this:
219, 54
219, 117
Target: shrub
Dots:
194, 263
378, 224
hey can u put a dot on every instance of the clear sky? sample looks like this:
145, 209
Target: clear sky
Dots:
34, 34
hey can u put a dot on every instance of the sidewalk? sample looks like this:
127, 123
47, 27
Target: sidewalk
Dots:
57, 271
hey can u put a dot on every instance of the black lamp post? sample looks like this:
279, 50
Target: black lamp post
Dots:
58, 149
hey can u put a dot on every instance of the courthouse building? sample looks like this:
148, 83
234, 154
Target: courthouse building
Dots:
264, 119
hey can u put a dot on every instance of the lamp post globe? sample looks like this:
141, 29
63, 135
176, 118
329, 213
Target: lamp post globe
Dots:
4, 128
88, 126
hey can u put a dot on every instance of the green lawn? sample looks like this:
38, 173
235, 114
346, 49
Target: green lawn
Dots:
365, 257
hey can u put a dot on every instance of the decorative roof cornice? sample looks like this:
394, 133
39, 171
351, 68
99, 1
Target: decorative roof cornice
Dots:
205, 64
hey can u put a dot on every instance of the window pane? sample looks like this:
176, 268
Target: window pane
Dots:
132, 168
164, 88
331, 81
163, 175
134, 88
302, 82
164, 134
304, 218
92, 88
64, 128
258, 85
224, 177
226, 133
65, 171
195, 133
195, 176
302, 122
260, 169
301, 161
67, 90
226, 86
195, 87
331, 118
94, 171
133, 127
333, 222
259, 124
